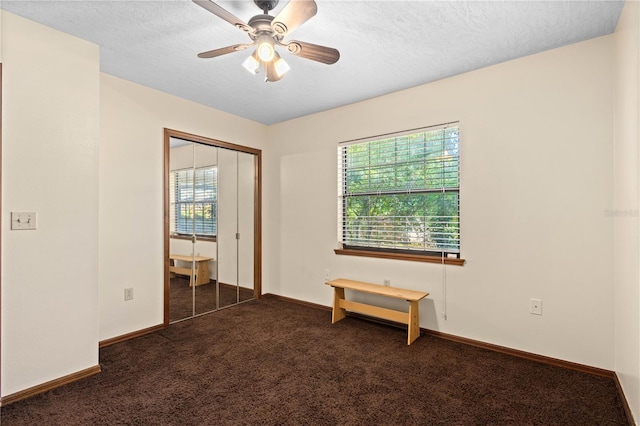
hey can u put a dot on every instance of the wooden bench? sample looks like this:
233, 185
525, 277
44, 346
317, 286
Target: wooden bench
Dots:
201, 267
340, 304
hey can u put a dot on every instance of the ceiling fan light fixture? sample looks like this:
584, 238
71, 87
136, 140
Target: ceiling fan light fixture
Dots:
267, 31
252, 64
280, 65
266, 50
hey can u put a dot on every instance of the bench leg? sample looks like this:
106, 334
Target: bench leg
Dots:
202, 273
414, 322
338, 312
192, 276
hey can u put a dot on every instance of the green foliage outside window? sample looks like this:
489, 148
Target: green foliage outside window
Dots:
402, 193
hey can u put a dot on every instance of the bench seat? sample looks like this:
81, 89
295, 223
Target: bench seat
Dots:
341, 304
201, 267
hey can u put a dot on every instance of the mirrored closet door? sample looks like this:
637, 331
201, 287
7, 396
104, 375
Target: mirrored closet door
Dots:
212, 210
235, 236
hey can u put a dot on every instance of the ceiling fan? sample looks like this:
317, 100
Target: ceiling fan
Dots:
266, 32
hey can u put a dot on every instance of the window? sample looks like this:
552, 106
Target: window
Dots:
400, 193
193, 201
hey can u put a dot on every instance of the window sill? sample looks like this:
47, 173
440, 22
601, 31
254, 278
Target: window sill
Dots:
188, 237
400, 256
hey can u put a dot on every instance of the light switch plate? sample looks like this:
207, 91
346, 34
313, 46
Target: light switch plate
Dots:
23, 220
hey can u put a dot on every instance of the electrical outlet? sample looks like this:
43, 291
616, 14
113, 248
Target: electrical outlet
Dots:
535, 306
387, 283
128, 294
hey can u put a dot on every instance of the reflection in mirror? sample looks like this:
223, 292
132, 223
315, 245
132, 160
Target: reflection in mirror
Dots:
180, 245
228, 214
192, 228
206, 227
246, 213
236, 226
211, 224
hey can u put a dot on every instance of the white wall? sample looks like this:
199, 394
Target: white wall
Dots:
626, 205
536, 180
50, 166
131, 189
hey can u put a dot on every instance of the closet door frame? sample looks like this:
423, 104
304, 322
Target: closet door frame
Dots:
257, 207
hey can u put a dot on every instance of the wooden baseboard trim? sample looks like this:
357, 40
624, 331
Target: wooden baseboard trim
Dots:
489, 346
14, 397
132, 335
297, 301
232, 286
623, 398
522, 354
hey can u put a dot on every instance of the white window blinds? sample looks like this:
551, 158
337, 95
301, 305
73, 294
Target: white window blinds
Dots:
400, 192
194, 197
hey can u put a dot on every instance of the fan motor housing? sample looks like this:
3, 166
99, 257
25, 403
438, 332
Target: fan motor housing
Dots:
261, 25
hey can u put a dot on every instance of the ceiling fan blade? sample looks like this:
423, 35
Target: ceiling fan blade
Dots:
326, 55
270, 71
223, 14
294, 14
224, 50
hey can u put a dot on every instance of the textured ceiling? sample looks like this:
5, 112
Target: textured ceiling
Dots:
385, 46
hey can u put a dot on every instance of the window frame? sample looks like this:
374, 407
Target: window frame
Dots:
174, 205
430, 256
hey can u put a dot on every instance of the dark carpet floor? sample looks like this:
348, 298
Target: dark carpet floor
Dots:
272, 362
182, 295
